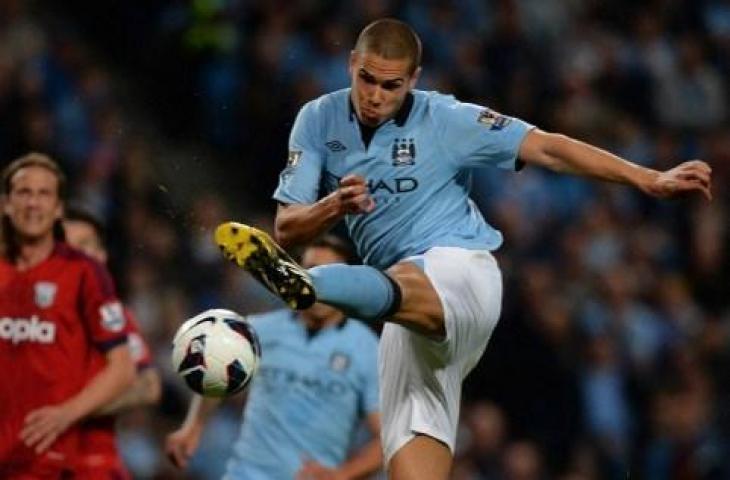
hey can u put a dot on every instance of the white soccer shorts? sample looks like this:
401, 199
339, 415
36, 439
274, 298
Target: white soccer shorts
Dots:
420, 378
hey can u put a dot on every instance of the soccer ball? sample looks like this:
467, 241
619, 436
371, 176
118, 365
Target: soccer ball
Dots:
216, 352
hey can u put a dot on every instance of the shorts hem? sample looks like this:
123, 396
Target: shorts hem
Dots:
428, 431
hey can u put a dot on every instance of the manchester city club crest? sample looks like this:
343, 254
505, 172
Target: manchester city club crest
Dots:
339, 362
45, 293
404, 152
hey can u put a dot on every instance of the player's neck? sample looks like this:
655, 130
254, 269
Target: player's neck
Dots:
316, 323
331, 320
31, 252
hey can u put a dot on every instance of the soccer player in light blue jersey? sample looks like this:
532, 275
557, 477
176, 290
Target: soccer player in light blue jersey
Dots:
316, 384
393, 163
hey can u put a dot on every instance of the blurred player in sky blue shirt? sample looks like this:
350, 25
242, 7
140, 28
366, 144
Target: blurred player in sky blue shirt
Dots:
316, 384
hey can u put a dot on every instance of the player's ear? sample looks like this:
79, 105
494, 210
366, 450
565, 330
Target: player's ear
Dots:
414, 78
6, 208
353, 61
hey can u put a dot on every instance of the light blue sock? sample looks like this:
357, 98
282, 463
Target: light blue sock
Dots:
358, 290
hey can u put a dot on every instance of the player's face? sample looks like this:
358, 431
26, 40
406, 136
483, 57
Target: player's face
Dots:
82, 236
314, 256
379, 86
33, 203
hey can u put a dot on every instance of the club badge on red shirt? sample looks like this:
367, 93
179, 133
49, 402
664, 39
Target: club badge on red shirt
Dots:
45, 293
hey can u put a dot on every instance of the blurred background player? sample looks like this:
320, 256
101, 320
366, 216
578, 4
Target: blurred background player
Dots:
98, 456
58, 308
316, 383
396, 165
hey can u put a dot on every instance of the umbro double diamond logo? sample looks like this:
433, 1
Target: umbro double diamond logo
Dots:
335, 146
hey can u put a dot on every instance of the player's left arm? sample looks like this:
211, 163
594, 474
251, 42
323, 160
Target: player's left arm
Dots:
362, 463
563, 154
103, 316
146, 390
369, 458
44, 425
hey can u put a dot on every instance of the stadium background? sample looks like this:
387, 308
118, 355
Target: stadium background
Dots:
612, 359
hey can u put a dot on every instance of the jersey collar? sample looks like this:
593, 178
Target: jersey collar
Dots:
400, 118
294, 316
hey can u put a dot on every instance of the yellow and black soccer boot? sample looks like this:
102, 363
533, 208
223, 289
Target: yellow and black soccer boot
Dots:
259, 255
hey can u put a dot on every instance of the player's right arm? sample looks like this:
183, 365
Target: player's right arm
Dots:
42, 426
302, 215
181, 444
297, 224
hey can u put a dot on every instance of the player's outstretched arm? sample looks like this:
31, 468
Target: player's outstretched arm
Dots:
146, 390
44, 425
299, 224
566, 155
181, 444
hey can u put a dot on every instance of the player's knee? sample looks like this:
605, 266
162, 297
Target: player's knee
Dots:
420, 306
432, 326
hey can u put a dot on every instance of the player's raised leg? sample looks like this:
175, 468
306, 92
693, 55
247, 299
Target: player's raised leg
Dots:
423, 458
403, 295
420, 308
255, 251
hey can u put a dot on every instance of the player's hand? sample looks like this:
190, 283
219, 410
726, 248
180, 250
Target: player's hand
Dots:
312, 470
687, 177
181, 444
353, 195
44, 425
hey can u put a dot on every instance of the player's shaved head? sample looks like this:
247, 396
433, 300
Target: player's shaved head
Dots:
392, 40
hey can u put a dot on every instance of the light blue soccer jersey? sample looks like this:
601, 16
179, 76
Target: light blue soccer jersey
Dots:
308, 398
417, 167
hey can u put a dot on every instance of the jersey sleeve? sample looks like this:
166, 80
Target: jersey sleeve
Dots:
138, 347
477, 136
101, 310
299, 181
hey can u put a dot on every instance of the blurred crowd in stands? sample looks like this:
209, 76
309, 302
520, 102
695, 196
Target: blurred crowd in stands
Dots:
612, 358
